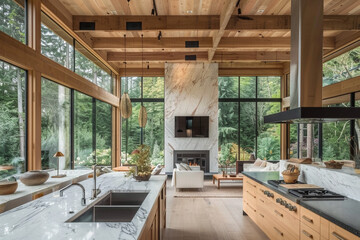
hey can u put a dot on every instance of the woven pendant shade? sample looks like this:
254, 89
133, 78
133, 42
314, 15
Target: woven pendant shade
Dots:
125, 106
142, 116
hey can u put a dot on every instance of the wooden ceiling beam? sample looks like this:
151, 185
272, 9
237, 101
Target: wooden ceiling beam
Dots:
226, 11
153, 43
210, 22
154, 56
200, 56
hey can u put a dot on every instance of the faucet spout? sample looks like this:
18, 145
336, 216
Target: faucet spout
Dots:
83, 199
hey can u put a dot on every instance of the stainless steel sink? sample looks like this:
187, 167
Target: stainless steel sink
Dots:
112, 207
108, 214
123, 198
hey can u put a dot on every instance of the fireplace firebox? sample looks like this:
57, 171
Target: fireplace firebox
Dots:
193, 158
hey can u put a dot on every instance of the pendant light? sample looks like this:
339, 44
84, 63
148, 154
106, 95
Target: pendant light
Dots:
142, 113
125, 102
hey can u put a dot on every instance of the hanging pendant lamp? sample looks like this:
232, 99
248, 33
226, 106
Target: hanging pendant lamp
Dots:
142, 113
125, 102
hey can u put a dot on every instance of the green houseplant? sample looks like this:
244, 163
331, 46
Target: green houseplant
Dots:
140, 158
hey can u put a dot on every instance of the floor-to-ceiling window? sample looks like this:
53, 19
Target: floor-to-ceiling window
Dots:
243, 102
148, 91
12, 120
55, 124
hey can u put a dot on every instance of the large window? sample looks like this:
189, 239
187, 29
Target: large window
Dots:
152, 134
55, 124
13, 19
343, 67
87, 66
56, 44
243, 102
12, 120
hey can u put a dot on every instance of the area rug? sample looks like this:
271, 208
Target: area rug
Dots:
227, 190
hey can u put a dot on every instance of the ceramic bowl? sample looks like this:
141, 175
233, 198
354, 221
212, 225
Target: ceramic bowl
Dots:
8, 187
32, 178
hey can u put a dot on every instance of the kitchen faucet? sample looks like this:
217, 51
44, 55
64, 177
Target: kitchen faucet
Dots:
95, 191
83, 200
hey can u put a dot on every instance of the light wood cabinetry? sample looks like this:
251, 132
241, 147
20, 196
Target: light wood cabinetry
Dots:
156, 222
281, 218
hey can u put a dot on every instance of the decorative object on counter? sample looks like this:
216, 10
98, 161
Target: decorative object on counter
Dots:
58, 155
334, 164
291, 174
8, 186
301, 160
32, 178
140, 159
232, 175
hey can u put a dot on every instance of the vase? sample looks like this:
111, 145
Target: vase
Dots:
33, 178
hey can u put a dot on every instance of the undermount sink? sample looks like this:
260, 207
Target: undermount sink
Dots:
113, 207
123, 198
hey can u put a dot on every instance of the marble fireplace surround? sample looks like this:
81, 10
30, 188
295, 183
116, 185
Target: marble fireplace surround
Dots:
191, 89
345, 181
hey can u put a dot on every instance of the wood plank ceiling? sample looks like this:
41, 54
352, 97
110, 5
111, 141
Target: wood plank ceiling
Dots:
262, 37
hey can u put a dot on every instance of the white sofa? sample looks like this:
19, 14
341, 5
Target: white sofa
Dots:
261, 166
188, 179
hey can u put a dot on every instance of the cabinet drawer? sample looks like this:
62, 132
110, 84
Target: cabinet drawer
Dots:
310, 219
282, 202
250, 185
277, 231
250, 210
338, 233
284, 218
307, 233
268, 194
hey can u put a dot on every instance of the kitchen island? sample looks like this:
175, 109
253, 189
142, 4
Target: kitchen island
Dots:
46, 217
282, 215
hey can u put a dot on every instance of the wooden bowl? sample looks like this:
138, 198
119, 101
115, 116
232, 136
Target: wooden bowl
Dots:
8, 187
143, 178
334, 165
33, 178
290, 177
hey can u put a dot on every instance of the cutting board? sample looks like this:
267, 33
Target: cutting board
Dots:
298, 186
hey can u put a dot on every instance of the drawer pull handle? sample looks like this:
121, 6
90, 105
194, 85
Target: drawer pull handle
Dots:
307, 219
251, 184
307, 234
262, 200
261, 215
251, 207
279, 231
278, 213
338, 236
251, 194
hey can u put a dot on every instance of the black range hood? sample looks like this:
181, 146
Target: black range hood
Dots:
306, 70
314, 115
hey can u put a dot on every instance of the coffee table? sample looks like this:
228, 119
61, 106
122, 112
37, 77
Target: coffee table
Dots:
219, 178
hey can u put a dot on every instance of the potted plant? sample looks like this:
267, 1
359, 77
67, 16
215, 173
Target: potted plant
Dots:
140, 159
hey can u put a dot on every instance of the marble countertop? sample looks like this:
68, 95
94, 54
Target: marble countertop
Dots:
24, 193
344, 213
45, 218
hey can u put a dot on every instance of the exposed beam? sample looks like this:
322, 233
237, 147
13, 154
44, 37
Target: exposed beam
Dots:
116, 23
225, 15
210, 22
152, 43
134, 72
154, 56
341, 88
252, 56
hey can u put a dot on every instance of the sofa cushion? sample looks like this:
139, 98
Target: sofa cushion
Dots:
258, 162
157, 170
179, 167
187, 167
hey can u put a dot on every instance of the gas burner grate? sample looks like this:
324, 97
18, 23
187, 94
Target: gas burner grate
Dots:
313, 194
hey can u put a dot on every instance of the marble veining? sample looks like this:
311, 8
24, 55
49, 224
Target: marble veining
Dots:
191, 89
344, 181
45, 218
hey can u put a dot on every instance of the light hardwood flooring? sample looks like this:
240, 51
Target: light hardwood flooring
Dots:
208, 218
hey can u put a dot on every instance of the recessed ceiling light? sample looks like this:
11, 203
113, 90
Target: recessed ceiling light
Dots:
113, 12
261, 10
189, 11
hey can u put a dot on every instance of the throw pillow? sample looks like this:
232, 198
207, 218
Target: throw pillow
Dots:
258, 162
180, 168
263, 164
157, 170
187, 167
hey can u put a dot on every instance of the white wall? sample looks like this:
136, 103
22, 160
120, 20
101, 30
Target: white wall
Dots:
191, 89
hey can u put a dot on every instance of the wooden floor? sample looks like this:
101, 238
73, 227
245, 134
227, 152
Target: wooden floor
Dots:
208, 218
